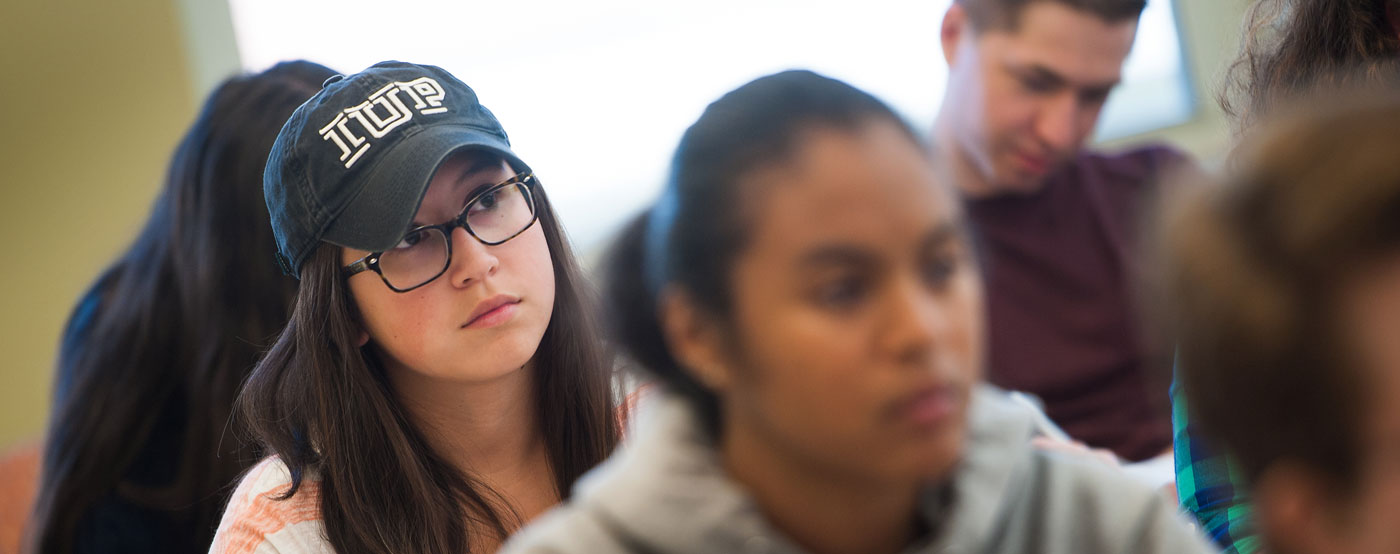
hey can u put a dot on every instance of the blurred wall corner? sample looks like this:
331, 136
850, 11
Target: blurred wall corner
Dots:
97, 94
1210, 32
210, 44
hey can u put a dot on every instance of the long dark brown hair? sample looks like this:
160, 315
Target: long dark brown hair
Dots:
152, 357
1295, 48
323, 403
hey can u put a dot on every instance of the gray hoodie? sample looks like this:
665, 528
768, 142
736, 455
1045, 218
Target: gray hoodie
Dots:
666, 492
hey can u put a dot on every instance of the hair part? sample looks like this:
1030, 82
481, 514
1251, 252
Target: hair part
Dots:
693, 235
1006, 14
1254, 272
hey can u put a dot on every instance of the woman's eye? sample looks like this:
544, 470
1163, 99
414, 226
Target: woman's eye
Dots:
409, 240
485, 202
841, 293
940, 269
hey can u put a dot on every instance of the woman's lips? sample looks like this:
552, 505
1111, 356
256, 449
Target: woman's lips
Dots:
930, 406
492, 312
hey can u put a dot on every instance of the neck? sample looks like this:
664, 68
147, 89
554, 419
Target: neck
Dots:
949, 154
824, 510
486, 429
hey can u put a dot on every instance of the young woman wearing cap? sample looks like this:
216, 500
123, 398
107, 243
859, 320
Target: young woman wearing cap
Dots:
807, 294
439, 382
136, 458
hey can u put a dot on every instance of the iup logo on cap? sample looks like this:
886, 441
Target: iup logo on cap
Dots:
380, 113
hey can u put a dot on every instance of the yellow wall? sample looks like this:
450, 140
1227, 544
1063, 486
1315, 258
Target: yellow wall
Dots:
95, 95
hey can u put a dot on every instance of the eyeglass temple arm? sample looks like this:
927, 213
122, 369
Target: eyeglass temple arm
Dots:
360, 265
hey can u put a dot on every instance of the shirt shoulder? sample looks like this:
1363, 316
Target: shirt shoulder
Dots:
1142, 160
1104, 509
259, 520
1147, 167
569, 529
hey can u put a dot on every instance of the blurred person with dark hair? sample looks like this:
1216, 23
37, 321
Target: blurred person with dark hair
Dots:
1295, 48
805, 293
1056, 224
1291, 50
1283, 288
138, 457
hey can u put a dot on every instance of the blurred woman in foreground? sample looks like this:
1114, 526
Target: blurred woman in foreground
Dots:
805, 292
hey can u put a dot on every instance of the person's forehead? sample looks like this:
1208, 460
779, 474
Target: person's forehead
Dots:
456, 176
873, 187
1065, 39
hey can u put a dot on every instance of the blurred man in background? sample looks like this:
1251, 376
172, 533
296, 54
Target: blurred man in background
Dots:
1027, 81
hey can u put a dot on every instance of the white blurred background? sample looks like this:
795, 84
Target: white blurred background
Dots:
595, 94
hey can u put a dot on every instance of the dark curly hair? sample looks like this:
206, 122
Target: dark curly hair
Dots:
1294, 48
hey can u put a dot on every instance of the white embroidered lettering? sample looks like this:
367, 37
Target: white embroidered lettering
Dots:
382, 112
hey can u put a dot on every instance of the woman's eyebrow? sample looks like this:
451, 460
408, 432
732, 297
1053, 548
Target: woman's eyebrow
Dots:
836, 255
944, 233
477, 165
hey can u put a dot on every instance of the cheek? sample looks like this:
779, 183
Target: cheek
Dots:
811, 380
968, 327
526, 270
810, 372
1374, 517
396, 323
529, 266
1088, 120
1006, 106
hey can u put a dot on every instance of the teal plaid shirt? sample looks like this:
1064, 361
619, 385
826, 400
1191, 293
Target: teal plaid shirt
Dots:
1209, 486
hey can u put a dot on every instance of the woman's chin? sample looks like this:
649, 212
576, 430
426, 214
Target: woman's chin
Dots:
935, 458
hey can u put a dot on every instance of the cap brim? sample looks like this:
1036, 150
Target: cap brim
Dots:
379, 215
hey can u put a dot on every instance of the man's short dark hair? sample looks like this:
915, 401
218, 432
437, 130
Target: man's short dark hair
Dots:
1005, 14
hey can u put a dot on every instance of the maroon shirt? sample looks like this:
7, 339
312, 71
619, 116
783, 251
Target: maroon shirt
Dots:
1060, 299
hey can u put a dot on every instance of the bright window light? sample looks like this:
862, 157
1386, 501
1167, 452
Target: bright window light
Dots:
596, 94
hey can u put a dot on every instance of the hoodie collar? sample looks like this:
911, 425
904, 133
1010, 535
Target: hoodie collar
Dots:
666, 490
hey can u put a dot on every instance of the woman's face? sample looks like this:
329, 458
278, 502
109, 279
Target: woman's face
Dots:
439, 330
856, 330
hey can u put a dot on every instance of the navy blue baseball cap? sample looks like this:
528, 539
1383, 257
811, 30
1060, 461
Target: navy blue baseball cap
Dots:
352, 164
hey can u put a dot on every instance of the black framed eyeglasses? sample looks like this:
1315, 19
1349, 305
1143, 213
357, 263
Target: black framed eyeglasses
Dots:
493, 216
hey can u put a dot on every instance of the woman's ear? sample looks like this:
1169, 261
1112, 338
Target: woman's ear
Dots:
695, 339
364, 337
